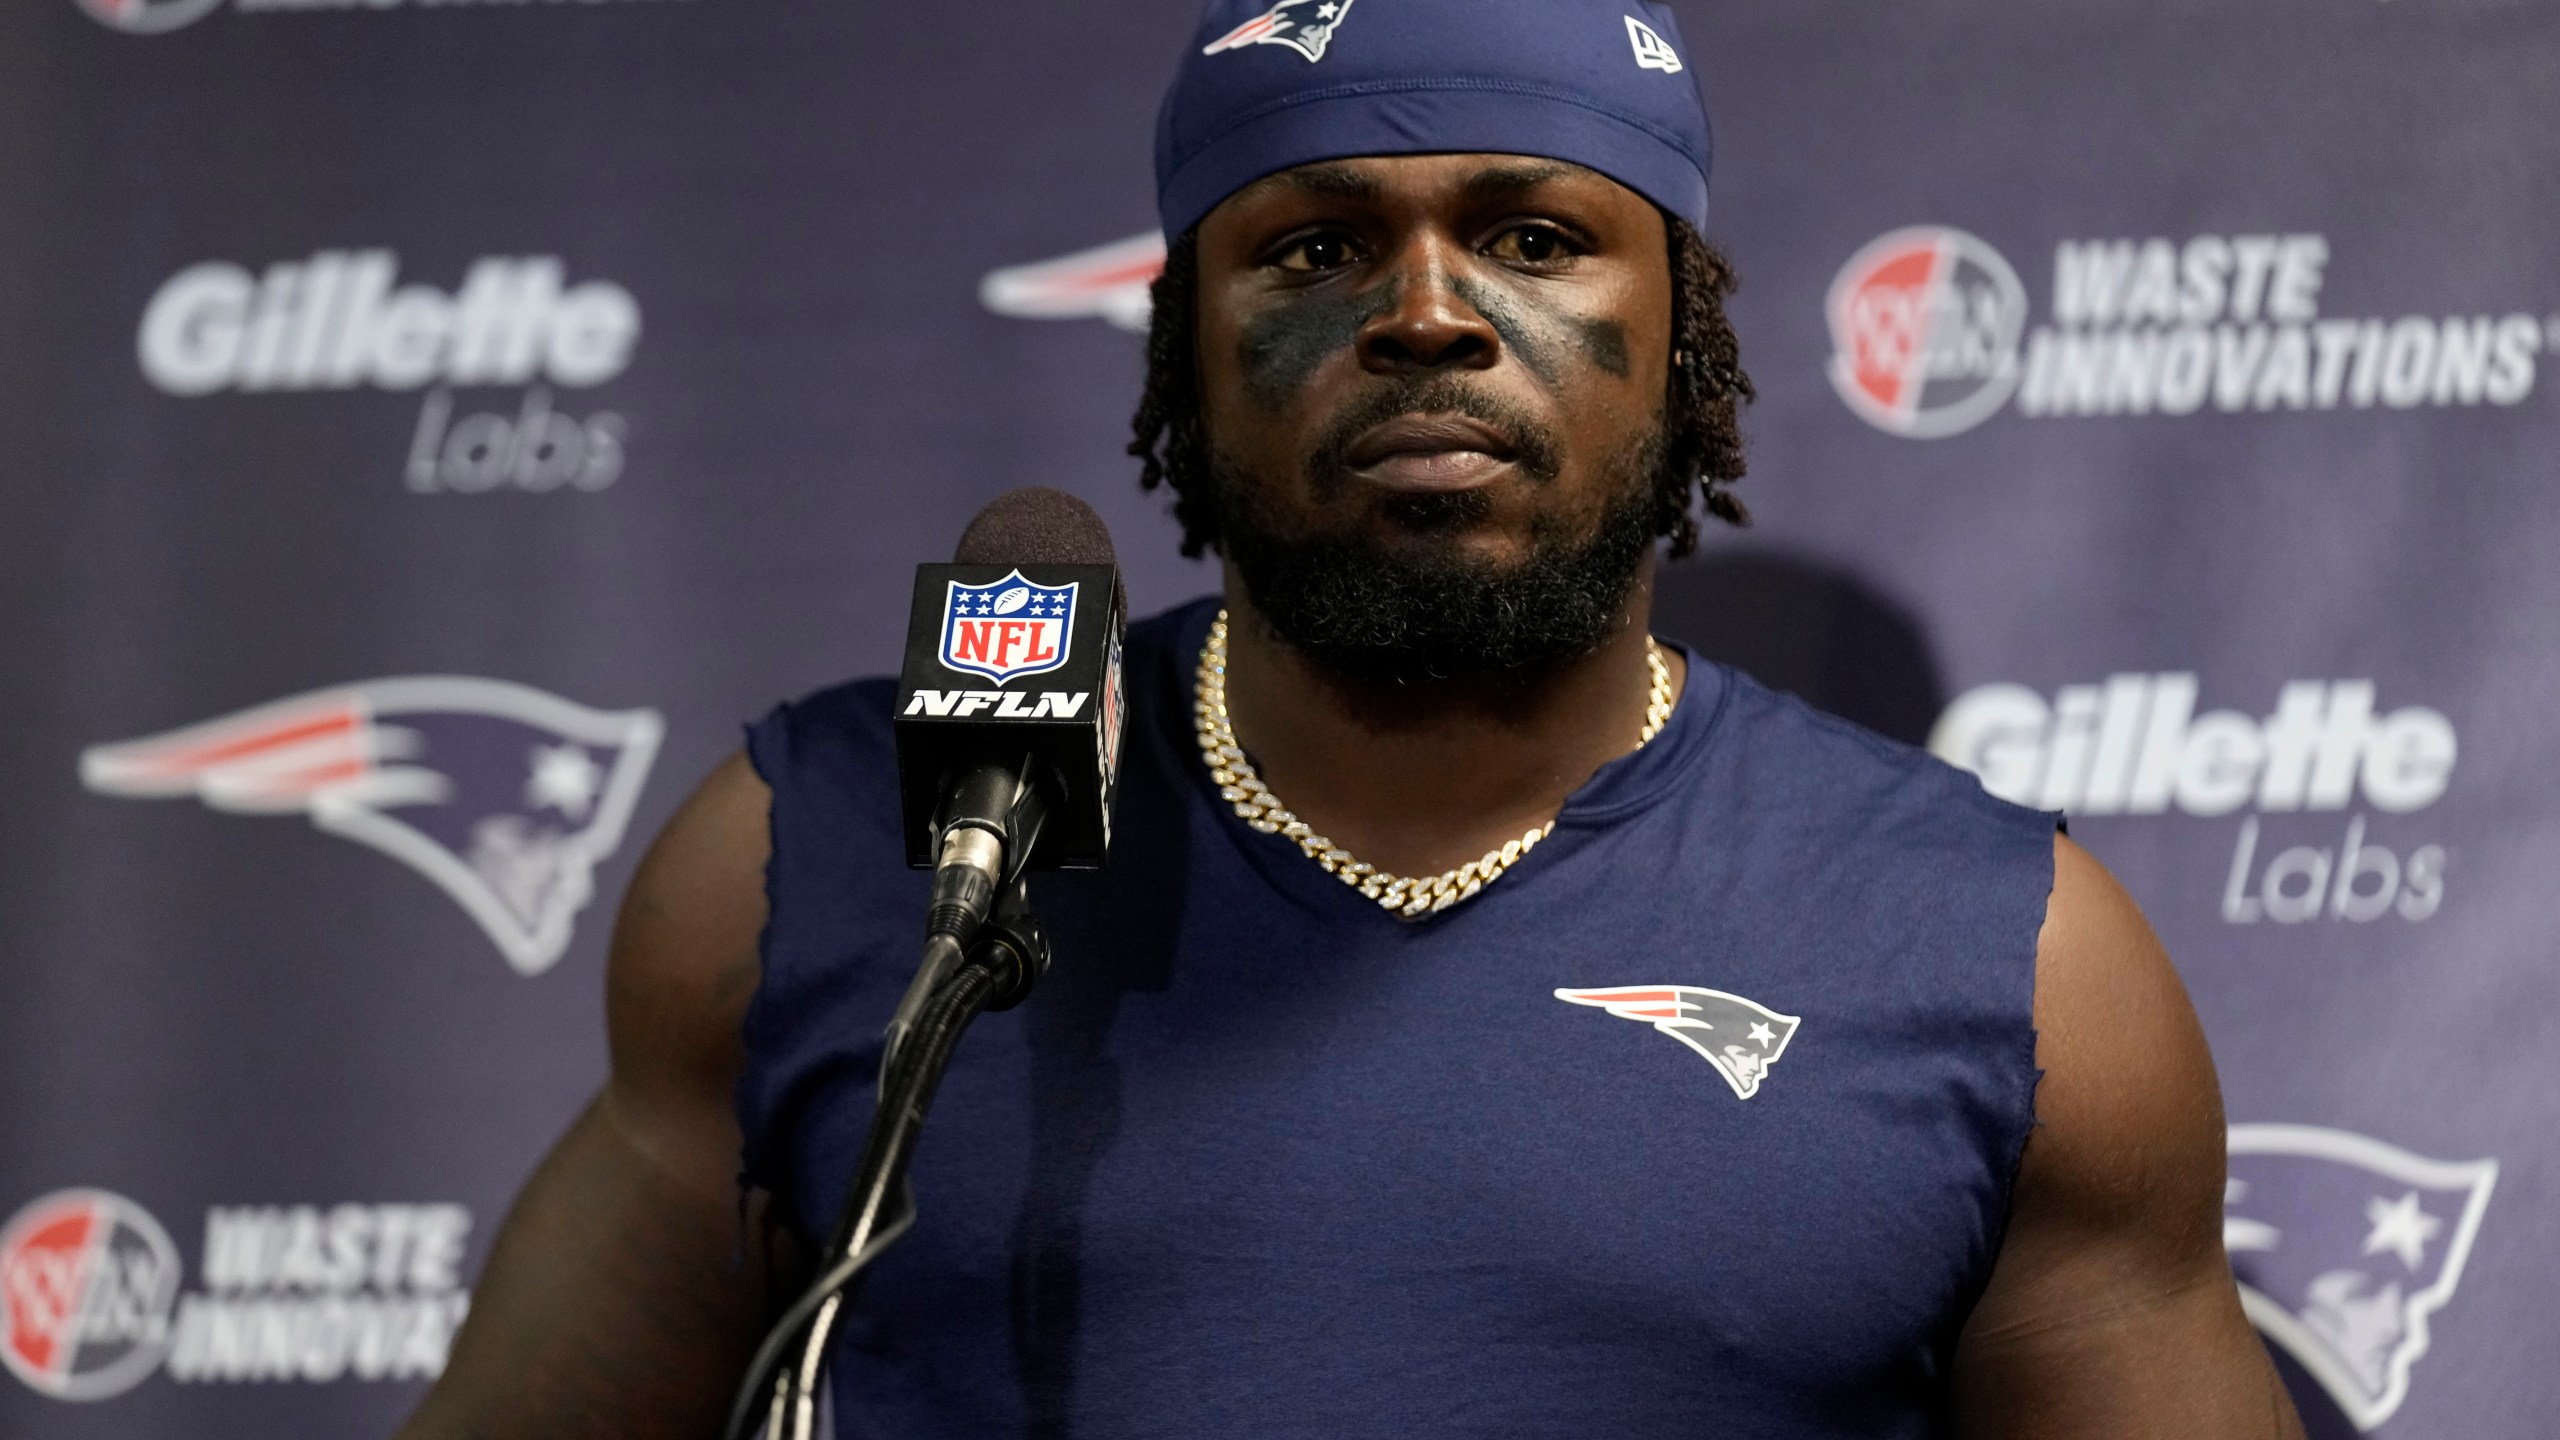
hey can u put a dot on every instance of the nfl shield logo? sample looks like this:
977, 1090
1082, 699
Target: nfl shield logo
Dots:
1012, 627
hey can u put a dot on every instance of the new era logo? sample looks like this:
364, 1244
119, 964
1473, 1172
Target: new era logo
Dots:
1652, 51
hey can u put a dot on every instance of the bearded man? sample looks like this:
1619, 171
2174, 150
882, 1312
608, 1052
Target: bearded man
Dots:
1494, 1019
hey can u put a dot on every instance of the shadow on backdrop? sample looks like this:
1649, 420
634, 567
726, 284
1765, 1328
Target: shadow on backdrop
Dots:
1811, 629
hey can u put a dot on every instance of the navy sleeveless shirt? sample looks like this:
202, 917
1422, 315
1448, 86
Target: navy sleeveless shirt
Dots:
1262, 1159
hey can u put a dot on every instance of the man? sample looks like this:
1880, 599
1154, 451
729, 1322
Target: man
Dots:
1331, 1120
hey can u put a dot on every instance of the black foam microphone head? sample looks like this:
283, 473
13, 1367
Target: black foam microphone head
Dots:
1035, 525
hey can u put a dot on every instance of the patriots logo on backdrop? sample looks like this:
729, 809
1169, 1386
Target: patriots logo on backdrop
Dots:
1111, 281
1010, 628
1305, 26
148, 17
1741, 1038
2344, 1246
504, 796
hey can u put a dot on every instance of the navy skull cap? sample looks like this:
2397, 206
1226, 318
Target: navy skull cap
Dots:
1263, 87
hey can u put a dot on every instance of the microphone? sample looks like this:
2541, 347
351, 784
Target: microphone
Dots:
1008, 739
1009, 703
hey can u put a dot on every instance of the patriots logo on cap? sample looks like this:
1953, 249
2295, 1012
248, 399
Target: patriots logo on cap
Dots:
1741, 1038
1305, 26
2344, 1246
1012, 627
504, 796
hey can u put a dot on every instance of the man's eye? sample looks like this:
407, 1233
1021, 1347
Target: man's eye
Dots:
1317, 252
1530, 244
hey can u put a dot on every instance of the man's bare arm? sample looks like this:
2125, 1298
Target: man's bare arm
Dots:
2112, 1312
622, 1298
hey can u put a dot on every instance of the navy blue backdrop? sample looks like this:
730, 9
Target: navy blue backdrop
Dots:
432, 428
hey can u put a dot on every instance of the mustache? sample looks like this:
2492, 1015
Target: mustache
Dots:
1540, 456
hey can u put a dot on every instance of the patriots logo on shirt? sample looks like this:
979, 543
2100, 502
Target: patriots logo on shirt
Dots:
504, 796
2344, 1246
1305, 26
1741, 1038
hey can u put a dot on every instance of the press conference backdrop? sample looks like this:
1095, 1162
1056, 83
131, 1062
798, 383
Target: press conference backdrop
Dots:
431, 429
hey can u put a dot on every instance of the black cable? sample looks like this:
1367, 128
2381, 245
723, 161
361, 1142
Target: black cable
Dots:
942, 956
907, 1083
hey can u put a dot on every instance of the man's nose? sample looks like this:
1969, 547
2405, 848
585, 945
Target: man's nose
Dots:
1427, 324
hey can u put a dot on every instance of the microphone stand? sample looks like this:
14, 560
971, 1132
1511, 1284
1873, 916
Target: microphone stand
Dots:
1006, 957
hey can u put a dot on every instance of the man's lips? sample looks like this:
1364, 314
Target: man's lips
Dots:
1430, 452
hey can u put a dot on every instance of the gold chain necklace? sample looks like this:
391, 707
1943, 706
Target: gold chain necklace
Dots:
1411, 898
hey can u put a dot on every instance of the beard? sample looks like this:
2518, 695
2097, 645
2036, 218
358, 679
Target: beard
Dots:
1370, 611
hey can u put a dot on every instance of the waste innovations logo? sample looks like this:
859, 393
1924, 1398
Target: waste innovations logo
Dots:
2344, 1248
505, 796
342, 320
1924, 331
86, 1281
2135, 745
1929, 335
153, 17
89, 1303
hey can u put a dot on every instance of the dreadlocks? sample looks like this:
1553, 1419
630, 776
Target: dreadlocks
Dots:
1703, 445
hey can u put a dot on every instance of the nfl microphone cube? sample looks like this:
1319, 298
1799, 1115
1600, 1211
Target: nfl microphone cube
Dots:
1005, 662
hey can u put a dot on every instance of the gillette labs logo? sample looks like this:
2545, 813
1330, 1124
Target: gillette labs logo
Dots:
342, 320
2136, 746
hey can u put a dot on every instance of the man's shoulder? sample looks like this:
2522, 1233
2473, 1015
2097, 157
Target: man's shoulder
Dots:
1790, 753
1172, 635
849, 720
